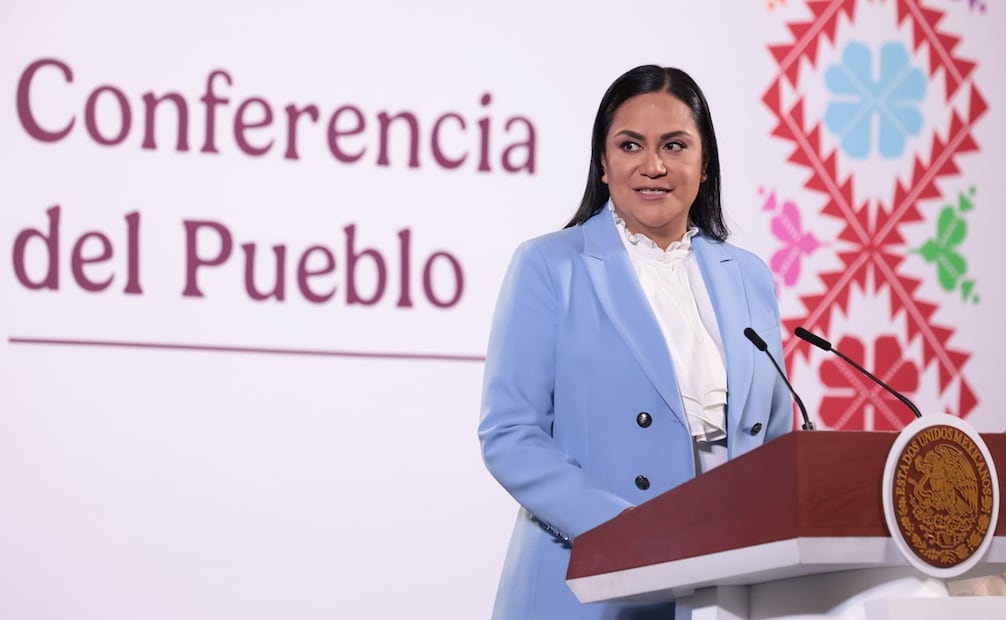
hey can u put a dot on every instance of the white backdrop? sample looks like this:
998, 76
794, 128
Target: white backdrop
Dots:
165, 455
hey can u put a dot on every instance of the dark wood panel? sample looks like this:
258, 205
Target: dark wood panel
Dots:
804, 484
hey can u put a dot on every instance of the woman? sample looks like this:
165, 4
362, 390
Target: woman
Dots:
617, 366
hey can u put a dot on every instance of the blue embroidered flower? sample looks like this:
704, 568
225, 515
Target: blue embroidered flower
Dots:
893, 98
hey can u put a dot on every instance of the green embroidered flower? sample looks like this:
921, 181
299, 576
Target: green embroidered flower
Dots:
942, 250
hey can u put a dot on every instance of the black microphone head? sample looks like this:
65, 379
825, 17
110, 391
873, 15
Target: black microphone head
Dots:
814, 339
755, 339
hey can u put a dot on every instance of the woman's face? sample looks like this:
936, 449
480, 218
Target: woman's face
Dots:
653, 165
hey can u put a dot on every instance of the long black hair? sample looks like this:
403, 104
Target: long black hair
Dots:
706, 212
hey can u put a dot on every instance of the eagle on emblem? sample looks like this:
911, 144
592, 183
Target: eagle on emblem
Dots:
949, 483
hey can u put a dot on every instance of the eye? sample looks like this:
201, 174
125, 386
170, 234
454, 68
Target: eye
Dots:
675, 146
629, 146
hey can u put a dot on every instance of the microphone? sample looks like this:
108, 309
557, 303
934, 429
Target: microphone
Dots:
823, 344
756, 340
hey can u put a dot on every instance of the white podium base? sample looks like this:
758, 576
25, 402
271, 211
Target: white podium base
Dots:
871, 594
956, 607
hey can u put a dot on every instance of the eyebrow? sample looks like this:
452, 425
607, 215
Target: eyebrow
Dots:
666, 136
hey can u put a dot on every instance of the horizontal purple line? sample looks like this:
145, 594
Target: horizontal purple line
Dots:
233, 349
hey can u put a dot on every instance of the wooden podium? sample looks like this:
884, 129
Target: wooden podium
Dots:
793, 529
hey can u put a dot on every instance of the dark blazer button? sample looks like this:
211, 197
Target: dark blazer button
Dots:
642, 483
756, 428
644, 419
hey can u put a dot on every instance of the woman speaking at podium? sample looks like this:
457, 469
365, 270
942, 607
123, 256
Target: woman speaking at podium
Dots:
617, 367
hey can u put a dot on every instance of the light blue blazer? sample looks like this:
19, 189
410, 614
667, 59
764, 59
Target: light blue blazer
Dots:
575, 355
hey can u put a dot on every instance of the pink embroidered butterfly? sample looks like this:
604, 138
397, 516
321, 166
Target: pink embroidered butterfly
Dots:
796, 243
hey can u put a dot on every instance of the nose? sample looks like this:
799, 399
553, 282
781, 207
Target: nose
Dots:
653, 166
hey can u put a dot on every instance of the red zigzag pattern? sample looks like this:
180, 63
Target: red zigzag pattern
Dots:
875, 245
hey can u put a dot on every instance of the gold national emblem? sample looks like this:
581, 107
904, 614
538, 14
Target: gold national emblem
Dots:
943, 495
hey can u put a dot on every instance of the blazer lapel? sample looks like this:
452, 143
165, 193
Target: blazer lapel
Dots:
622, 299
726, 292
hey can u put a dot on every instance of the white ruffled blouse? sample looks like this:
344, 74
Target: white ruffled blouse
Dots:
673, 285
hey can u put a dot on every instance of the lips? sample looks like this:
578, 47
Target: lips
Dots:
653, 191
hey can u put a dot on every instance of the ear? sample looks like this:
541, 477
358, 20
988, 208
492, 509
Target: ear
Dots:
604, 169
